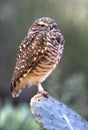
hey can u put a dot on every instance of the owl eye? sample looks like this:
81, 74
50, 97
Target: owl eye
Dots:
55, 26
42, 25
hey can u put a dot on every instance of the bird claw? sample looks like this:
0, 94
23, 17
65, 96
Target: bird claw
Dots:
44, 93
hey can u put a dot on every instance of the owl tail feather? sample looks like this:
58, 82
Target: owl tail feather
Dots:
14, 92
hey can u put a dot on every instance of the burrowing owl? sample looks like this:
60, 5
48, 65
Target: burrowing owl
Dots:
38, 55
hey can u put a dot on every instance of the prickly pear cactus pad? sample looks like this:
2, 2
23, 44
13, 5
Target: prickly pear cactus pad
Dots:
54, 115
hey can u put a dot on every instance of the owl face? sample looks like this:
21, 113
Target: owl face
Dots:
43, 24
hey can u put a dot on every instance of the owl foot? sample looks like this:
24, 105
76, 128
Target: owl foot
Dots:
42, 91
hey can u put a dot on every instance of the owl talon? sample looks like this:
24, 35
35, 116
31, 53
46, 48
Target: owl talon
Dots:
44, 93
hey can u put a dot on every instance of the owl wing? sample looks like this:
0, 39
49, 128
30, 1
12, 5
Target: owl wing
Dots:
28, 56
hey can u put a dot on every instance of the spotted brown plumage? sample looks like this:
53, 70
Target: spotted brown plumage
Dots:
38, 55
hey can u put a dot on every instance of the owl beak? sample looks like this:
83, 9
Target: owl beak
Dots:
50, 27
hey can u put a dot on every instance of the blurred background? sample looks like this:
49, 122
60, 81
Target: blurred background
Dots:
69, 82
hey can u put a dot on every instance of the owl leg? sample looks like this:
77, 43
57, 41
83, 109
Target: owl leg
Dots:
42, 91
40, 88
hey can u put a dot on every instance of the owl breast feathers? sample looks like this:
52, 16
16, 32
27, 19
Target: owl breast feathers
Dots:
38, 55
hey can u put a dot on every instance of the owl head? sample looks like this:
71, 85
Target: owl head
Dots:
44, 23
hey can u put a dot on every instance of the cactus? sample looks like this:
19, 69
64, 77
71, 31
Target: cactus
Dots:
48, 112
54, 115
